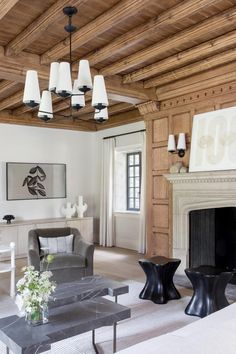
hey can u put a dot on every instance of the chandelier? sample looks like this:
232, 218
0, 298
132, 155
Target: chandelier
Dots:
60, 84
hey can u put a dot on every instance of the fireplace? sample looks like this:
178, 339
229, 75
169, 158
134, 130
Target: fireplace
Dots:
202, 193
212, 238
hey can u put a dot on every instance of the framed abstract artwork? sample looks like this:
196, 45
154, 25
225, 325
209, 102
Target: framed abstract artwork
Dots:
35, 180
213, 142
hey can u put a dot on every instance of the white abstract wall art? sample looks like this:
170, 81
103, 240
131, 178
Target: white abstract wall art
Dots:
213, 143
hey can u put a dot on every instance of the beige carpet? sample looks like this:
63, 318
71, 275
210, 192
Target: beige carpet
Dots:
147, 321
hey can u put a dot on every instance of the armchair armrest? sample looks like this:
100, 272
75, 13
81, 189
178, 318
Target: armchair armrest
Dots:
86, 250
33, 252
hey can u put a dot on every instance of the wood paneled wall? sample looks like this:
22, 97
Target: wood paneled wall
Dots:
172, 117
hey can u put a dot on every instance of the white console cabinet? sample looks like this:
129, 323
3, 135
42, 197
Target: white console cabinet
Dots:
17, 231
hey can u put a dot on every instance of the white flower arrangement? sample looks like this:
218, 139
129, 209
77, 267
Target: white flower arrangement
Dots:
35, 288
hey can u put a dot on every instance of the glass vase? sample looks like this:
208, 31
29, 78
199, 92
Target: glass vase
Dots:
37, 316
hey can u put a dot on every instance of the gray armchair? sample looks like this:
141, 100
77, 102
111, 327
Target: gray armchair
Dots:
66, 267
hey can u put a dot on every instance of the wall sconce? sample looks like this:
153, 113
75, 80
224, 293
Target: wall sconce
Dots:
181, 145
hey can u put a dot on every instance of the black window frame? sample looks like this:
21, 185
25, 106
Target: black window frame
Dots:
128, 178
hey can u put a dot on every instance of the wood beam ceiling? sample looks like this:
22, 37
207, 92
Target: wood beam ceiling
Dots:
39, 26
118, 13
197, 82
194, 32
142, 32
182, 58
191, 69
6, 6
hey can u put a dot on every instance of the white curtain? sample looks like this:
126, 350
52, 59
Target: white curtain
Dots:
142, 222
106, 234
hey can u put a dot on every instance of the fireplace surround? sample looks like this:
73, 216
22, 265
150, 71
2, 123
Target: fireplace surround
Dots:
196, 191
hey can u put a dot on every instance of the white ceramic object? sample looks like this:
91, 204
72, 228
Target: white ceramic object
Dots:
81, 207
68, 211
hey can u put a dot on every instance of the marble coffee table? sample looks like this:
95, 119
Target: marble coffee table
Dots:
77, 308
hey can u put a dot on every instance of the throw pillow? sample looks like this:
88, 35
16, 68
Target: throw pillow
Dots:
62, 244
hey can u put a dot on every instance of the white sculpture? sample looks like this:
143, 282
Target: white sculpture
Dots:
81, 207
69, 210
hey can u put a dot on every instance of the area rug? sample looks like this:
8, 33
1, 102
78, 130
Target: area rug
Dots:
147, 320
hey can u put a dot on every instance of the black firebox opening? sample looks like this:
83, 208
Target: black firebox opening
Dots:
213, 238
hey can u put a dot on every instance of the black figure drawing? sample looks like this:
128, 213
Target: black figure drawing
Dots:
34, 181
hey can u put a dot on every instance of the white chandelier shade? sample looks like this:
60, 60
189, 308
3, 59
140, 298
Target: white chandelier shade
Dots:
64, 83
99, 98
77, 98
84, 76
45, 108
53, 76
102, 115
31, 95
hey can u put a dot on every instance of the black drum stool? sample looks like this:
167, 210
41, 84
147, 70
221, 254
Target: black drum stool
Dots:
159, 286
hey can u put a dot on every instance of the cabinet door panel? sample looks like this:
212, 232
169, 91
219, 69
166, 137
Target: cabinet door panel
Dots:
85, 227
7, 235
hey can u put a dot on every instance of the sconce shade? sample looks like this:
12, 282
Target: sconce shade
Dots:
53, 77
77, 101
171, 143
31, 95
45, 108
101, 116
181, 142
99, 98
84, 76
64, 84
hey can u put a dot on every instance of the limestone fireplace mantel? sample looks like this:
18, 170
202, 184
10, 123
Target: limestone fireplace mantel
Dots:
194, 191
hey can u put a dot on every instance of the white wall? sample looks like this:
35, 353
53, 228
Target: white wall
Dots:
32, 144
80, 151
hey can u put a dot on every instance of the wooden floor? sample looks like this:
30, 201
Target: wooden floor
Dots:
116, 263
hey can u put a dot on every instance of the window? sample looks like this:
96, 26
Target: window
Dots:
133, 180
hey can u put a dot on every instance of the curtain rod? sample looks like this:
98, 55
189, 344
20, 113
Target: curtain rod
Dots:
114, 136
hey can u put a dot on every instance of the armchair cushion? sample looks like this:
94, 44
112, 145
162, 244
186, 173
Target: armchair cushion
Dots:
62, 244
64, 261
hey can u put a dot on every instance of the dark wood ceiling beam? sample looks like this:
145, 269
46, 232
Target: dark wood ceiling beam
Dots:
39, 26
142, 32
6, 85
6, 6
191, 69
118, 13
181, 38
185, 57
14, 68
28, 119
211, 78
121, 119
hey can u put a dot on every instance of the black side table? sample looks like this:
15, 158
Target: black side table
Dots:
209, 285
159, 286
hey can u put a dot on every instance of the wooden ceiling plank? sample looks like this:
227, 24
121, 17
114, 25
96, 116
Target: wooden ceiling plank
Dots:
194, 32
6, 6
142, 32
191, 69
39, 26
118, 13
185, 57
